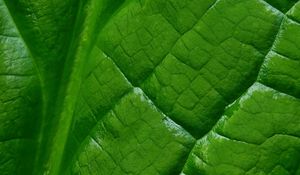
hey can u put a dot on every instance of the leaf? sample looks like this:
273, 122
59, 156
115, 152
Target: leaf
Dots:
258, 134
149, 87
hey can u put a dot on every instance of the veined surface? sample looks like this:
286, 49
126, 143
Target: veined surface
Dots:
150, 87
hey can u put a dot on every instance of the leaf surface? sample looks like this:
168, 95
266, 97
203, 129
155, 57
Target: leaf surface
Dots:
149, 87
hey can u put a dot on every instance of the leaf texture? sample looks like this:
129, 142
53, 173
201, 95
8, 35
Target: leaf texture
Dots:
144, 87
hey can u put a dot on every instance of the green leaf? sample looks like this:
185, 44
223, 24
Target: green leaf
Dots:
258, 134
149, 87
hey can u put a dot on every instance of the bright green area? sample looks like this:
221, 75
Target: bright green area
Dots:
134, 138
258, 134
281, 68
149, 87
